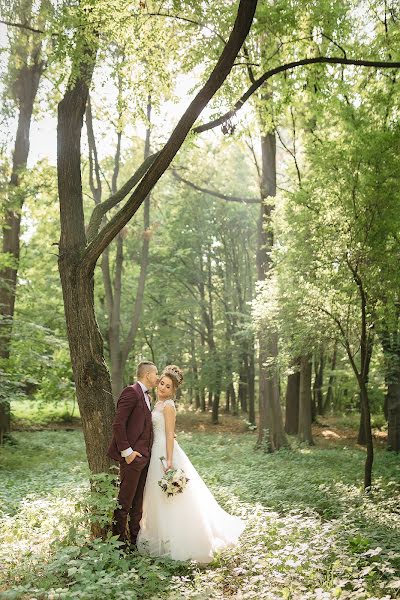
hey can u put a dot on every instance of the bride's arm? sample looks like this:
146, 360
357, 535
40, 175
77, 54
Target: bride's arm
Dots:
169, 419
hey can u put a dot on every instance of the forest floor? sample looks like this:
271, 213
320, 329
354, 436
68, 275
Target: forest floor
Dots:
329, 430
311, 531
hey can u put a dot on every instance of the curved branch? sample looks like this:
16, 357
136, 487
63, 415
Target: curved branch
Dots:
187, 20
286, 67
101, 209
250, 71
220, 72
22, 26
345, 340
327, 37
215, 194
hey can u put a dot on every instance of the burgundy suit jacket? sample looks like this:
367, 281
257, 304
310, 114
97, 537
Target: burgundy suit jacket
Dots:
132, 425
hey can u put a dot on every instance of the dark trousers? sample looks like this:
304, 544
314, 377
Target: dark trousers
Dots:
130, 497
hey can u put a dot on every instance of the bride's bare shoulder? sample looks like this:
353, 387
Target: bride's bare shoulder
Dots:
169, 403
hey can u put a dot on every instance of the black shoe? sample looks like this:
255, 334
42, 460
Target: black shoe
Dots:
124, 547
128, 548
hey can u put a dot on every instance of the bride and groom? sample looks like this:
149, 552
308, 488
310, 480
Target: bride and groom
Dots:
187, 526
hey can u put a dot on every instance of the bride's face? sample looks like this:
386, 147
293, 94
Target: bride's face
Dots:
165, 389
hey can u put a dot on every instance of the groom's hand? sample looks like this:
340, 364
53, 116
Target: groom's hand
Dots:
132, 457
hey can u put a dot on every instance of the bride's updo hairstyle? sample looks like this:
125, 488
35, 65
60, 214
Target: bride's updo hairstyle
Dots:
175, 374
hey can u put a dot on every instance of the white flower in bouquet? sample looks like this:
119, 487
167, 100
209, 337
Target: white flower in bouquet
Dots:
173, 481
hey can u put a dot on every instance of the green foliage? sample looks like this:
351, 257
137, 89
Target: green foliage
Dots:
336, 223
311, 531
102, 499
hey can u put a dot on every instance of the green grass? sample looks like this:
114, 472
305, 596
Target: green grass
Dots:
351, 420
31, 413
311, 533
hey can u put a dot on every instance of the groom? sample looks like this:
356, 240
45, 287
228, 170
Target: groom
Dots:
131, 447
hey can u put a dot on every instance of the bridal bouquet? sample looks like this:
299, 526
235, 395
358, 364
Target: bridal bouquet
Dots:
173, 481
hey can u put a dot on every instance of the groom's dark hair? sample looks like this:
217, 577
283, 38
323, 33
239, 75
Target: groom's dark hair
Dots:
143, 367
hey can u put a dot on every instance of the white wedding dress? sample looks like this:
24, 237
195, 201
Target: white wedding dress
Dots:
190, 525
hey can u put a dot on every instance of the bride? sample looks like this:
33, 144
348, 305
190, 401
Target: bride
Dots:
190, 525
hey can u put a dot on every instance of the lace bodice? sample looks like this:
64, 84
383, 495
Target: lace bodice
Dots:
157, 417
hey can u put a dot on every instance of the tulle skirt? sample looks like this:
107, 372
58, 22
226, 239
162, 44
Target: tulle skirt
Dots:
187, 526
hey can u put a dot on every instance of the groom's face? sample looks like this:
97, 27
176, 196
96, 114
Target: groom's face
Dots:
152, 377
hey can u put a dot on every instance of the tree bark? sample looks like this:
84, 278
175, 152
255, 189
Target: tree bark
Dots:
362, 435
195, 373
243, 385
329, 394
305, 434
91, 376
215, 408
250, 380
292, 400
25, 87
227, 399
393, 412
391, 349
318, 383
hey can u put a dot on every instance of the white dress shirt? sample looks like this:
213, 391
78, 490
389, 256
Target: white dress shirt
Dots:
129, 450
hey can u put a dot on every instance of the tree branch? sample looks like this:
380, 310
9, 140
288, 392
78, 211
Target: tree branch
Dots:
187, 20
212, 193
346, 342
101, 209
22, 26
286, 67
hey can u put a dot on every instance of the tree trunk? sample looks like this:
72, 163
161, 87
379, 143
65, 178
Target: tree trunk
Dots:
362, 435
195, 374
391, 349
243, 386
318, 408
234, 402
215, 408
305, 434
314, 395
270, 414
393, 412
4, 419
367, 427
25, 88
292, 401
114, 332
202, 400
228, 397
250, 379
92, 381
329, 394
